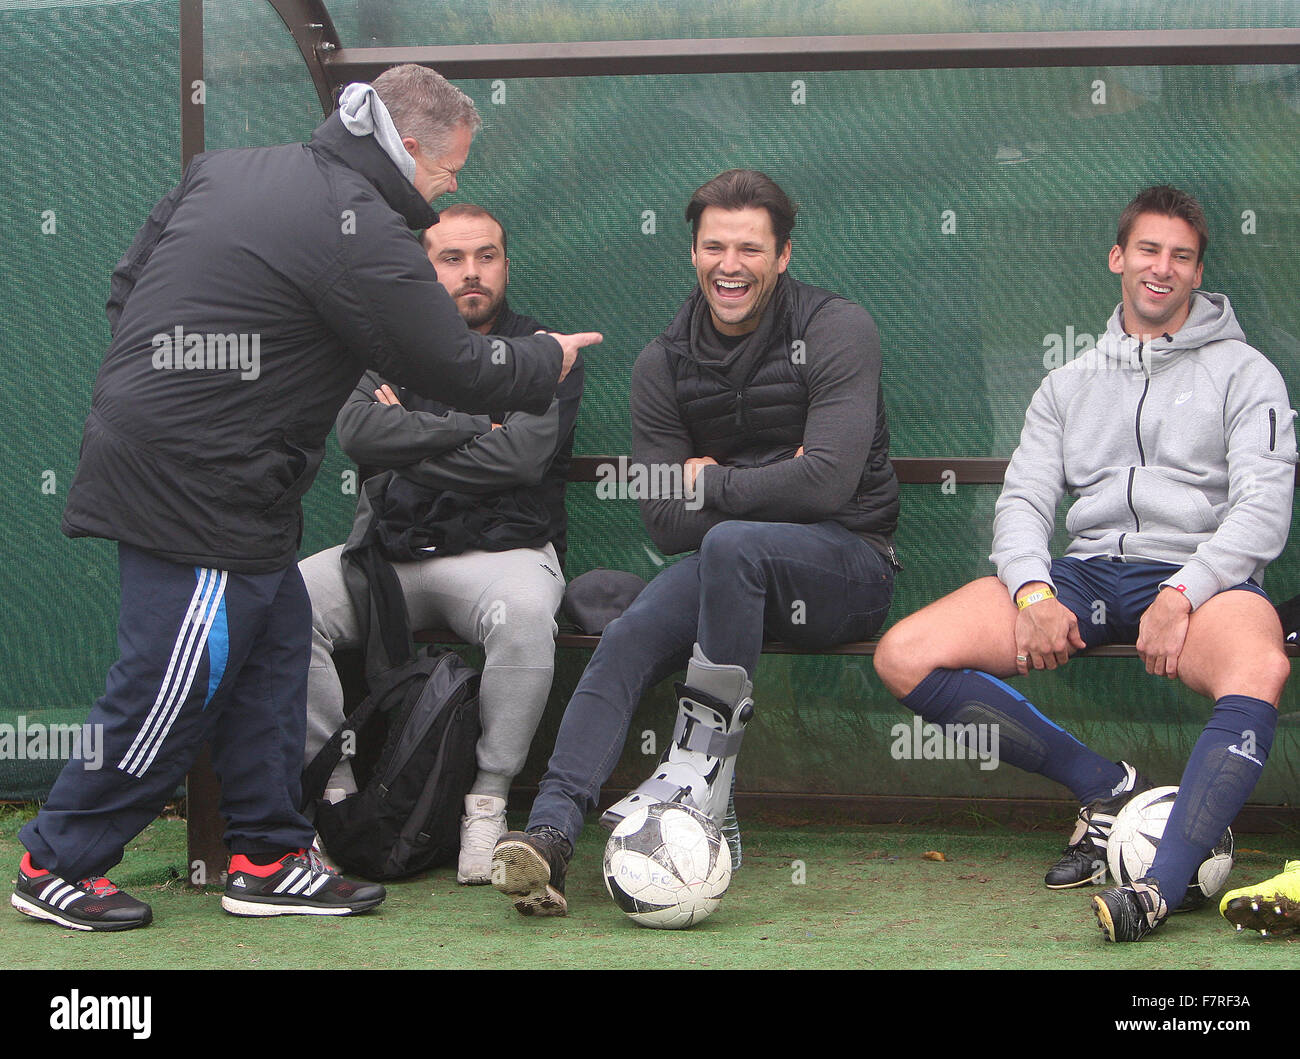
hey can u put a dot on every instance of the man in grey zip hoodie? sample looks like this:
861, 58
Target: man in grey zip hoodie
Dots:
1175, 438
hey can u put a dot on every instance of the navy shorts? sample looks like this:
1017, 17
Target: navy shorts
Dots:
1109, 596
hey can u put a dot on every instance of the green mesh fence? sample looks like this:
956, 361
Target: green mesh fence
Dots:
969, 211
95, 142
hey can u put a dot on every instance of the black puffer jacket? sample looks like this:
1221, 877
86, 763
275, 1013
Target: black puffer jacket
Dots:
301, 258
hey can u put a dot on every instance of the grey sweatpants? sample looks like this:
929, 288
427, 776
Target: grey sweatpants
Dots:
504, 601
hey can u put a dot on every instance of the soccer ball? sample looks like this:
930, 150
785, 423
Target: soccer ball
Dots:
667, 866
1136, 835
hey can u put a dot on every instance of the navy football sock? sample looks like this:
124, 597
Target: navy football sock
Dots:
1219, 777
1026, 738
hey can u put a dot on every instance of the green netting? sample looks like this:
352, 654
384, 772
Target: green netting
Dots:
970, 211
93, 143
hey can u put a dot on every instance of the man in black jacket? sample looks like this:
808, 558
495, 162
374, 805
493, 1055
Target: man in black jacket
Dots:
764, 396
243, 314
489, 567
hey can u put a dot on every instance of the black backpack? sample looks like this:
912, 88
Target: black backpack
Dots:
415, 737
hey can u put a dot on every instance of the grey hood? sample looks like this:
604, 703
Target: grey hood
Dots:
1210, 319
1178, 450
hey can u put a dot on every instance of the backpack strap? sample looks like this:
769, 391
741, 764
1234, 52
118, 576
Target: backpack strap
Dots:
373, 587
380, 699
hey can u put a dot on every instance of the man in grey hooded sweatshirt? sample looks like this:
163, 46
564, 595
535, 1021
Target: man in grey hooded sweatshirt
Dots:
1176, 439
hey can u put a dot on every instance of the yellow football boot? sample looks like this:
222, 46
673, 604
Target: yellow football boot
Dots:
1271, 907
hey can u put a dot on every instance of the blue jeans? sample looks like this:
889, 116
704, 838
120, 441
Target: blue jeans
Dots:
809, 585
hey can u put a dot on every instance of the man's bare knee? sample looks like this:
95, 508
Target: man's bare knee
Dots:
1235, 648
900, 658
1259, 674
1273, 673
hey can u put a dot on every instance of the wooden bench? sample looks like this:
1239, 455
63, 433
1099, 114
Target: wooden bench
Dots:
205, 826
914, 470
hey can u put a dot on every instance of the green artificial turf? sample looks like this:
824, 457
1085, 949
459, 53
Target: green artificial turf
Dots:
806, 897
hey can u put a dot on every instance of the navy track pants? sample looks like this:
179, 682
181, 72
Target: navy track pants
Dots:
204, 654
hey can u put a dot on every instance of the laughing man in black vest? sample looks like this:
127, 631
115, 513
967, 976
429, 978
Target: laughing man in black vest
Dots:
765, 393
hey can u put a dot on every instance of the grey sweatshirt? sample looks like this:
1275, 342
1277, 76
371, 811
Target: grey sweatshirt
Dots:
1179, 450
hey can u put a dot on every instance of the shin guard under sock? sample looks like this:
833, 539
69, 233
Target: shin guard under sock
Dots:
1220, 775
1026, 738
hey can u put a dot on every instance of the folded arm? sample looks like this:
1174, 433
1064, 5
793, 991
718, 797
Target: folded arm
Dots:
841, 363
386, 436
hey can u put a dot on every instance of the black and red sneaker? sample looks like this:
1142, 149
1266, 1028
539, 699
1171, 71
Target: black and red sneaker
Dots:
298, 884
94, 903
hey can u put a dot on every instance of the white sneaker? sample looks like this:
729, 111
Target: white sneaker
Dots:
483, 823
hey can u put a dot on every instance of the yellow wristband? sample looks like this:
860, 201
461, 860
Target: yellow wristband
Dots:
1036, 596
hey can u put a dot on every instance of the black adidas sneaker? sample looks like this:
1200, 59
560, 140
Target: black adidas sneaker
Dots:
94, 903
298, 884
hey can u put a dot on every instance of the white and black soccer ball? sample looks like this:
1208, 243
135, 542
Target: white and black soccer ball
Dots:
667, 866
1136, 836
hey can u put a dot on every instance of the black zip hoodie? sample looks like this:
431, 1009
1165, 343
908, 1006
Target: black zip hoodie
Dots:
247, 308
